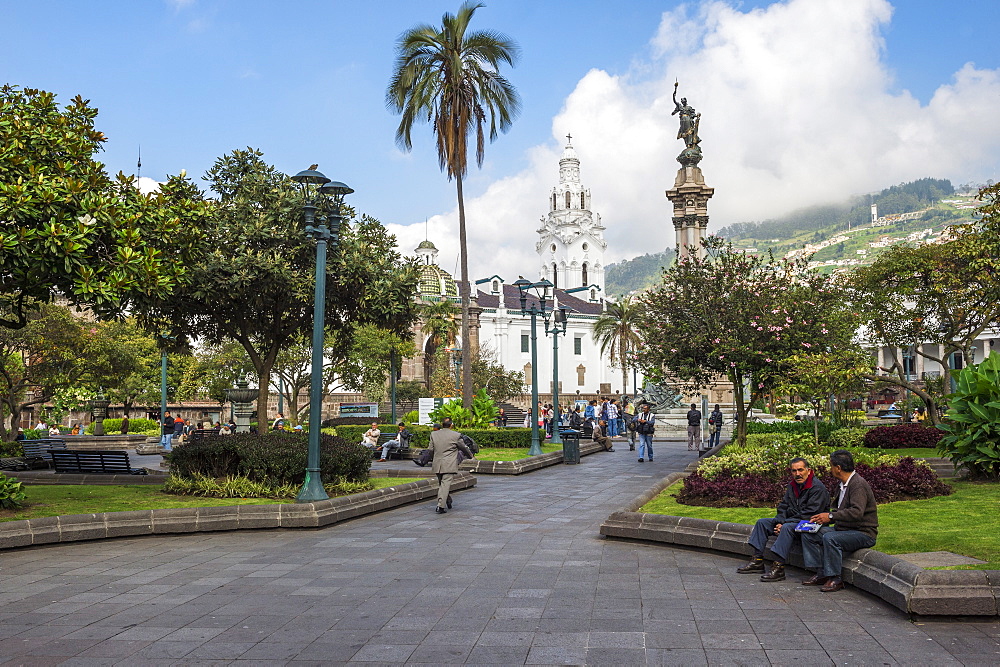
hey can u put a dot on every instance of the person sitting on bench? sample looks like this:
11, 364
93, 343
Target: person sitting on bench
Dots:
600, 436
371, 436
401, 441
805, 495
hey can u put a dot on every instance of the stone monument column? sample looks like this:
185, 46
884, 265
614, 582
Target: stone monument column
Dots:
689, 195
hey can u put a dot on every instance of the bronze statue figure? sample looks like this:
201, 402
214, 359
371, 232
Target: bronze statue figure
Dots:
689, 121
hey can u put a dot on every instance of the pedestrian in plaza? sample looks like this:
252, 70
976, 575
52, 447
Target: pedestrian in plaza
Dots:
125, 425
503, 418
630, 424
168, 431
279, 423
715, 426
694, 428
645, 426
613, 418
854, 516
444, 447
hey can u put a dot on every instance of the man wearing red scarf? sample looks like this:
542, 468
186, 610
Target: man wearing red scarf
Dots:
804, 497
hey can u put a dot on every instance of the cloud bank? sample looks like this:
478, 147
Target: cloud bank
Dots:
798, 108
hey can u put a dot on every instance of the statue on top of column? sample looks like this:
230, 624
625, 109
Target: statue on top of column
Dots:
688, 131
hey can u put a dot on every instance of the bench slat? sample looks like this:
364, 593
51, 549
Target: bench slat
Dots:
97, 462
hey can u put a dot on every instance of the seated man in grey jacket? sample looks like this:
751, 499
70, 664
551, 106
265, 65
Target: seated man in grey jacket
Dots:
804, 497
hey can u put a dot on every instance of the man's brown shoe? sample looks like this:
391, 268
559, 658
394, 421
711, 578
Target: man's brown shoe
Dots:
777, 573
754, 566
835, 584
815, 580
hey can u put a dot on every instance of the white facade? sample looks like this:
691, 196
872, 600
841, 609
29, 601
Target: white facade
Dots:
571, 238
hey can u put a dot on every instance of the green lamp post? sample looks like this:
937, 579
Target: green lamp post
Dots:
536, 308
559, 320
321, 194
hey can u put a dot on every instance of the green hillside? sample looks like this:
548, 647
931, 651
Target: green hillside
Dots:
836, 236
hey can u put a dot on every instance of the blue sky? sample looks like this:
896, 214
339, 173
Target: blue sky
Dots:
190, 80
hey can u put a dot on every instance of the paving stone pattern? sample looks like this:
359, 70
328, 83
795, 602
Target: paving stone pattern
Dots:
516, 574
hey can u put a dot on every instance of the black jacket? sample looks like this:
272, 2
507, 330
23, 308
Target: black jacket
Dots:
809, 502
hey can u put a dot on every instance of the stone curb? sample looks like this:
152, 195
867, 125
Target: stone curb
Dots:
521, 466
903, 585
76, 527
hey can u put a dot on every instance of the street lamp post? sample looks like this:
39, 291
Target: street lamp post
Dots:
559, 317
536, 309
318, 191
165, 437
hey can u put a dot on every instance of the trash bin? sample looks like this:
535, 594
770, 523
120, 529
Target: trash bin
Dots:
571, 445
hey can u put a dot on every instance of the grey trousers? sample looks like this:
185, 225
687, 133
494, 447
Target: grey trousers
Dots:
444, 487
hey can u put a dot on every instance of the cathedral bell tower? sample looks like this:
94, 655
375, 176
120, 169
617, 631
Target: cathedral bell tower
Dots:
571, 238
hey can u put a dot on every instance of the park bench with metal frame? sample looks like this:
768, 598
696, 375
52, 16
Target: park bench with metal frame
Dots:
94, 462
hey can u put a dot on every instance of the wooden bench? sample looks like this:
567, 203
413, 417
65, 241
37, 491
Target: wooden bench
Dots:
42, 448
94, 462
200, 434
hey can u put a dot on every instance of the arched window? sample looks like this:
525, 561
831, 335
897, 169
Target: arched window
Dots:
496, 286
583, 200
584, 276
593, 295
568, 205
555, 202
555, 277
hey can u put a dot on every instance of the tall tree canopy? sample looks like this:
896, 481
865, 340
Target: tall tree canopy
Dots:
615, 331
449, 77
66, 228
253, 282
739, 317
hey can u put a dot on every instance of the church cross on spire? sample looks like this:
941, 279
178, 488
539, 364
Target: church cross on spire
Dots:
569, 138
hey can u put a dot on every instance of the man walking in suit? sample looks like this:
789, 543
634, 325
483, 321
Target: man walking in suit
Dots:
445, 445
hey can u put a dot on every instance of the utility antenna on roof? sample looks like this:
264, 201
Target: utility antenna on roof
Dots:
138, 166
425, 228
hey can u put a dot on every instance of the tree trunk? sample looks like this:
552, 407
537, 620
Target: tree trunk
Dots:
741, 409
930, 404
466, 299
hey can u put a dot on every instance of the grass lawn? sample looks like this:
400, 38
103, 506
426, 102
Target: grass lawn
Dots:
964, 523
44, 500
512, 454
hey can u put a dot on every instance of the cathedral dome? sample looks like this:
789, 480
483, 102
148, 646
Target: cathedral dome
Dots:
426, 245
435, 281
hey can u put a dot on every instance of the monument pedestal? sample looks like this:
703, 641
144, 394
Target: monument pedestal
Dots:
690, 198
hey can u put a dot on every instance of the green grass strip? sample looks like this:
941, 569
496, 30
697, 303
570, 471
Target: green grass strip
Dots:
965, 522
58, 499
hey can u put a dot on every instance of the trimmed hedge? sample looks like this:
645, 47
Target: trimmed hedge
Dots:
351, 421
136, 425
10, 449
274, 458
848, 438
903, 436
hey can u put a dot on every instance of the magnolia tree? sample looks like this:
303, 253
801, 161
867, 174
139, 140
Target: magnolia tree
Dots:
822, 375
740, 317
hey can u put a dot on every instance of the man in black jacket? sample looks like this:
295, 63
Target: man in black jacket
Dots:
803, 496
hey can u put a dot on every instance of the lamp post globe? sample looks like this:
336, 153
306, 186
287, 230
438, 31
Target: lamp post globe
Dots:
319, 194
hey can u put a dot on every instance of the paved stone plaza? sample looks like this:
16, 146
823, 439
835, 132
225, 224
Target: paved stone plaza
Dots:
516, 574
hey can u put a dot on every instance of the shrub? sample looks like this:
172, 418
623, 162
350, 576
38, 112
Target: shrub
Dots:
902, 436
11, 449
756, 475
411, 417
847, 438
508, 438
138, 425
271, 458
972, 424
11, 493
483, 413
34, 434
421, 434
792, 427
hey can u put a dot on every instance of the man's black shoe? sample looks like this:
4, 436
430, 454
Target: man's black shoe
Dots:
449, 501
777, 573
640, 460
755, 565
418, 463
440, 510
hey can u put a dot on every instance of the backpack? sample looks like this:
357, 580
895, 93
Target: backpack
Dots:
470, 443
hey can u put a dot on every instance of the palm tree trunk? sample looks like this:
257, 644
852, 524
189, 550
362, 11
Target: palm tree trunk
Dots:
466, 299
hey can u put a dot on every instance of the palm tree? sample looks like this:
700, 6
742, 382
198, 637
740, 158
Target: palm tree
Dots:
615, 332
449, 77
441, 325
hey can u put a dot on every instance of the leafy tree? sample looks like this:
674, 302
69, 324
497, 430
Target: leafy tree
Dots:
932, 301
615, 332
487, 375
367, 365
440, 323
67, 227
739, 317
449, 77
254, 280
410, 390
815, 376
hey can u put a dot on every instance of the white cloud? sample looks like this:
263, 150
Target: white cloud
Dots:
148, 185
797, 108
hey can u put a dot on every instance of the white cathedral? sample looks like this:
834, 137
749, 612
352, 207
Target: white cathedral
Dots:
570, 249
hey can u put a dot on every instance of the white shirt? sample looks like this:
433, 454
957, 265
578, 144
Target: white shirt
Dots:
843, 489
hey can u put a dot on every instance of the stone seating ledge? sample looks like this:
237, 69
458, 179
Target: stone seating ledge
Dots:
78, 527
905, 586
529, 464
